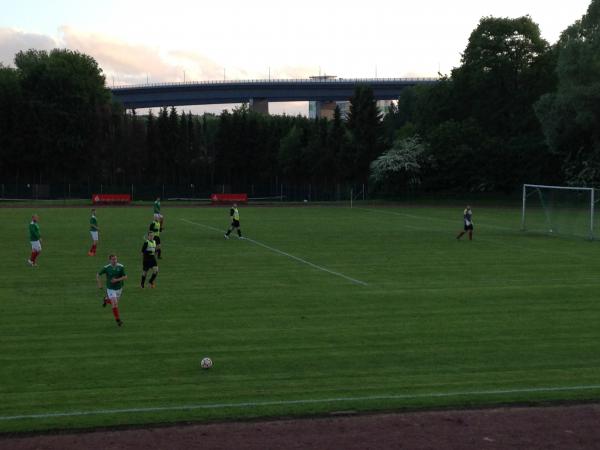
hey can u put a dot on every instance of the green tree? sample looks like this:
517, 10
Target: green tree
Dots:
12, 159
64, 101
503, 73
485, 110
292, 155
570, 116
400, 166
364, 125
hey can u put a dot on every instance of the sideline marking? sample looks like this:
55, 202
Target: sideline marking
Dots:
353, 280
297, 402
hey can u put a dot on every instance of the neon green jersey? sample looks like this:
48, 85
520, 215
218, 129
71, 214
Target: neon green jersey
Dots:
155, 227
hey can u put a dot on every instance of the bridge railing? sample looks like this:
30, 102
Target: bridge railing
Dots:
274, 81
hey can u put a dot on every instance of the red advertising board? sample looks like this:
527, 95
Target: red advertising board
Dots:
229, 198
111, 198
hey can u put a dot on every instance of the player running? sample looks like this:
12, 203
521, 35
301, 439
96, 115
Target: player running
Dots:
468, 223
156, 229
93, 232
149, 260
35, 239
157, 213
235, 222
115, 275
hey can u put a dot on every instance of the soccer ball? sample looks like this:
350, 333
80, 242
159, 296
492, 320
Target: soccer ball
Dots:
206, 363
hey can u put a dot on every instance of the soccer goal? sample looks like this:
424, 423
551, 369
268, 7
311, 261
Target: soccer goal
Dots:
559, 210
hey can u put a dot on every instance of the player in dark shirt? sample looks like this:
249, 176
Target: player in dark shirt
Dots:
468, 223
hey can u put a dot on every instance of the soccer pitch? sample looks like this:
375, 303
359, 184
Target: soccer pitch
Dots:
322, 309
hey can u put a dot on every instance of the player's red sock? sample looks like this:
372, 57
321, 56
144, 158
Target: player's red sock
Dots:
34, 256
116, 312
93, 249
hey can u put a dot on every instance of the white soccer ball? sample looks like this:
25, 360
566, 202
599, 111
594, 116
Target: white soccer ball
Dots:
206, 363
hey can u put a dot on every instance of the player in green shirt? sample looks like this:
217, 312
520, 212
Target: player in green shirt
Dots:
157, 213
115, 275
35, 238
94, 232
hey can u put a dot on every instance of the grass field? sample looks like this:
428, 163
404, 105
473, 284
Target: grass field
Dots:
323, 309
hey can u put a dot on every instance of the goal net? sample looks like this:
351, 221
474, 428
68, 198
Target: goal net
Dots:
559, 210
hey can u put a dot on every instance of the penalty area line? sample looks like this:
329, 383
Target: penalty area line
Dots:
315, 266
301, 402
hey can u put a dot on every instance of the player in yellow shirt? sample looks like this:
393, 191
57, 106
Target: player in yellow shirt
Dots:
235, 222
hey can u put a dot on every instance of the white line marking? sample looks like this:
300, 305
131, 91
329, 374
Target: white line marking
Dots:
299, 402
479, 238
412, 216
324, 269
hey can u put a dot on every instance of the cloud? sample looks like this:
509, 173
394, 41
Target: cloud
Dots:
12, 41
128, 63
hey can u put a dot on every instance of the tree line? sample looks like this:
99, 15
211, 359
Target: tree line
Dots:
515, 110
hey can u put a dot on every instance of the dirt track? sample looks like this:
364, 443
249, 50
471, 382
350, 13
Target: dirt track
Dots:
556, 427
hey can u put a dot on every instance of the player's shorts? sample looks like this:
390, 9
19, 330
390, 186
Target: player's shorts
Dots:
157, 240
469, 227
36, 246
158, 216
148, 264
235, 223
114, 294
94, 235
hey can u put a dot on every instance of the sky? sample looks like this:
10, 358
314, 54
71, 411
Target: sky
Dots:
136, 41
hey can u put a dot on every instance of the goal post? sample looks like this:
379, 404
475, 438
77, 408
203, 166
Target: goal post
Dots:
559, 209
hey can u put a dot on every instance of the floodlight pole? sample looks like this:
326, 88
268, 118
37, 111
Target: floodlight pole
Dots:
523, 208
592, 216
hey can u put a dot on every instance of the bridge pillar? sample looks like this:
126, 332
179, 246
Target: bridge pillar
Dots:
327, 110
322, 110
259, 105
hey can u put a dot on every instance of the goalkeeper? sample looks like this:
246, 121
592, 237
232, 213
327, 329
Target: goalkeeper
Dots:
468, 223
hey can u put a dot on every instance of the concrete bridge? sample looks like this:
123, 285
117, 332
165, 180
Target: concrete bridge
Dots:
258, 93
